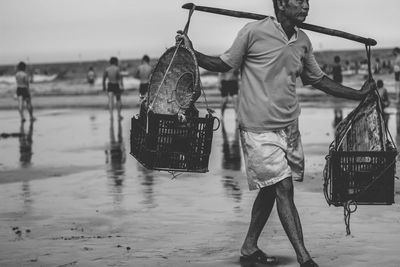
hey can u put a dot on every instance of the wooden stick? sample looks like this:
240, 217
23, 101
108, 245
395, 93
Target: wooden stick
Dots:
310, 27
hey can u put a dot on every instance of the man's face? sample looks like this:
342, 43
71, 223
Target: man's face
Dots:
295, 10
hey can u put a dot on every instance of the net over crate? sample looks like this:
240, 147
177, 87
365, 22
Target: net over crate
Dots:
175, 80
360, 166
168, 135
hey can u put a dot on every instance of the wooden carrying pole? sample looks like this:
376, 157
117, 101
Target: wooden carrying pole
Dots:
310, 27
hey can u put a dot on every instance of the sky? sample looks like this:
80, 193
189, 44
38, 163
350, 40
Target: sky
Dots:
39, 31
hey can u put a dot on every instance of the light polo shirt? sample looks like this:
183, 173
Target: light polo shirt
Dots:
269, 64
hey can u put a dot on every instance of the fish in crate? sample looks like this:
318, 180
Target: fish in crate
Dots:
360, 166
169, 135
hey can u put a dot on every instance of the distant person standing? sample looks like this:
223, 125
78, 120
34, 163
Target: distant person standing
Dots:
91, 76
377, 66
383, 93
143, 73
396, 69
114, 87
337, 70
229, 86
23, 93
337, 77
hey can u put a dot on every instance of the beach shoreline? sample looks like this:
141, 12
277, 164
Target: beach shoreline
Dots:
131, 100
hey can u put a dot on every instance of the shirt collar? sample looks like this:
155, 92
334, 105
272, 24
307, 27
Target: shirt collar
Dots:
280, 28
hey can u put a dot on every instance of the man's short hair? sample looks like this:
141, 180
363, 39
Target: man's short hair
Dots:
396, 50
379, 83
146, 58
114, 61
21, 66
337, 59
276, 6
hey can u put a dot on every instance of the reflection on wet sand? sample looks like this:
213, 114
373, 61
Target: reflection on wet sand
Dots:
26, 197
231, 160
115, 160
230, 150
25, 158
148, 184
25, 145
337, 116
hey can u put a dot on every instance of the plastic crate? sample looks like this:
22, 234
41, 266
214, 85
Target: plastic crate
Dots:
161, 142
364, 178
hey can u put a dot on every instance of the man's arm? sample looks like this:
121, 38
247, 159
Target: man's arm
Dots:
331, 87
104, 80
211, 63
121, 80
206, 62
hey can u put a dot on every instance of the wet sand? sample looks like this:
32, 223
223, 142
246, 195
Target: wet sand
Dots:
73, 196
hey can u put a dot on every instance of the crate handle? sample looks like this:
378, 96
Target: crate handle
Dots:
219, 123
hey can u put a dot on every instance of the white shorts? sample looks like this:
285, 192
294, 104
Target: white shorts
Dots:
272, 156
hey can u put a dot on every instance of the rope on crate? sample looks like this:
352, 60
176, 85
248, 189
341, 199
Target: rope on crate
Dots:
165, 75
347, 213
174, 174
209, 110
327, 179
353, 202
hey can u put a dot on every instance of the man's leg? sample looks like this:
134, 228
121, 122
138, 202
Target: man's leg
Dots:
111, 103
21, 107
235, 102
290, 218
223, 105
30, 108
261, 210
119, 106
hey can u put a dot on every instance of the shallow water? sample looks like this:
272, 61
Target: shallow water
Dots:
69, 176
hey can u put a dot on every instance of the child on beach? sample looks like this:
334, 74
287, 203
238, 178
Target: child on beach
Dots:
114, 87
143, 73
23, 93
91, 76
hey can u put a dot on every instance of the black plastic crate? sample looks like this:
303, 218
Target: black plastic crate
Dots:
161, 142
364, 178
